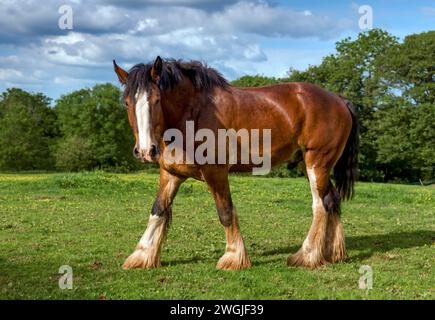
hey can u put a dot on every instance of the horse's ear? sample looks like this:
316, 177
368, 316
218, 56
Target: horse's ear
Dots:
122, 74
156, 71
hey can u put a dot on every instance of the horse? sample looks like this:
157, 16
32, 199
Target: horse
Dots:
309, 126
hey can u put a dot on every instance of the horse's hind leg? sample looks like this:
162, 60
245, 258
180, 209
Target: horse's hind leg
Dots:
147, 252
311, 255
335, 249
325, 240
235, 256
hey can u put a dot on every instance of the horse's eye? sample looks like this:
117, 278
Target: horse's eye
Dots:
157, 101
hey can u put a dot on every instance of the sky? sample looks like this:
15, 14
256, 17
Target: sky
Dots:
237, 38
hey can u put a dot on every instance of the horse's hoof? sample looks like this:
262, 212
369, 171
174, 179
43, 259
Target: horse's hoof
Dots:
141, 259
233, 261
338, 255
310, 260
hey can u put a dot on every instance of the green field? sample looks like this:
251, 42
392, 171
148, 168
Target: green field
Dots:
92, 222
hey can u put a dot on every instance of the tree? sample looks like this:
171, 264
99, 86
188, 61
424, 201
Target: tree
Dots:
254, 81
405, 140
405, 127
94, 130
28, 128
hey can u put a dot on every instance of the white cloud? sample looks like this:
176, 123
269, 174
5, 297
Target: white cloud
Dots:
147, 24
226, 34
278, 62
10, 74
75, 81
272, 21
69, 39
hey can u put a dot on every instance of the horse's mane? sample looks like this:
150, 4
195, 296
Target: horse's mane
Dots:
202, 76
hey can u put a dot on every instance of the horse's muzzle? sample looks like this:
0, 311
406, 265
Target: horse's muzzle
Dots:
147, 155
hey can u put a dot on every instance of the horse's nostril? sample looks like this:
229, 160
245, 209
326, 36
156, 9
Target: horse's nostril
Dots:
136, 152
153, 151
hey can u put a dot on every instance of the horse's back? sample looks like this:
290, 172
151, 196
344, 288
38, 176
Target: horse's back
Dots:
310, 116
302, 102
318, 96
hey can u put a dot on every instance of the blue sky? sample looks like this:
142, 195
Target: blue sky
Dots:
236, 37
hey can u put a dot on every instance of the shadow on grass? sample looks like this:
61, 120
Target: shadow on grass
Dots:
175, 262
369, 244
365, 246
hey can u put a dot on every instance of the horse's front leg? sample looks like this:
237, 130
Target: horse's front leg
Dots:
147, 253
235, 257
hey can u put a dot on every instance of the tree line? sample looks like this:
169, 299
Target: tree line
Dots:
85, 130
391, 82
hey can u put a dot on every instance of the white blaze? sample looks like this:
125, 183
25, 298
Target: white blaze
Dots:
143, 120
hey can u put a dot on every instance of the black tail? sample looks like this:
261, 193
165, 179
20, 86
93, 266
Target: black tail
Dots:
346, 168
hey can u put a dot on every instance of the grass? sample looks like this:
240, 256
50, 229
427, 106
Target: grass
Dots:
92, 222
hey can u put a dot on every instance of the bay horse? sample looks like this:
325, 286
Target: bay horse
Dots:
308, 124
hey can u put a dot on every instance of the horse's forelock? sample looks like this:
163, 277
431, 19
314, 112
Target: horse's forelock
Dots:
138, 79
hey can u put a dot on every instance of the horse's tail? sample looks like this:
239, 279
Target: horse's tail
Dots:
346, 168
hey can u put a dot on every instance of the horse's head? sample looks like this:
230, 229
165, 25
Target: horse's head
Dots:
142, 99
